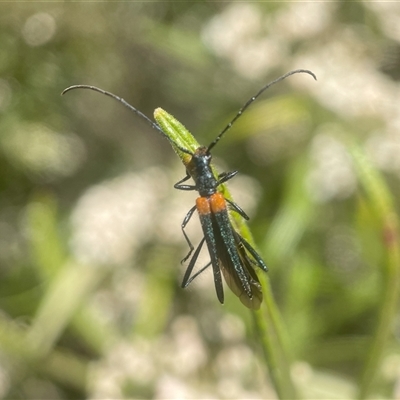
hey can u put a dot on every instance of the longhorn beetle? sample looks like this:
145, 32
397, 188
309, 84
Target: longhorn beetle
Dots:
229, 251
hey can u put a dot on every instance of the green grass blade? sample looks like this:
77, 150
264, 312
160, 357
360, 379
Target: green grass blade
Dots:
380, 201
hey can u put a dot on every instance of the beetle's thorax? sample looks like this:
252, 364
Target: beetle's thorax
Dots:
199, 168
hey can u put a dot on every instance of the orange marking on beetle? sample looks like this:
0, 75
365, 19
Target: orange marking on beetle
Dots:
217, 202
203, 206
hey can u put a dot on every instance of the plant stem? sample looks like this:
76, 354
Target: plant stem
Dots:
381, 202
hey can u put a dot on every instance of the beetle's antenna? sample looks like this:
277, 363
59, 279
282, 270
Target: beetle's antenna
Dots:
240, 112
130, 107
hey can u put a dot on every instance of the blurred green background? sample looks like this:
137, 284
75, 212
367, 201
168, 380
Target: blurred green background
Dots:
90, 238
